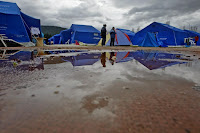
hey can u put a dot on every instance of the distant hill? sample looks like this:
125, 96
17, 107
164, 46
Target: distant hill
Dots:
52, 30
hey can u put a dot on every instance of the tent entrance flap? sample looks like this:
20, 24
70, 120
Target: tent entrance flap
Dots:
149, 40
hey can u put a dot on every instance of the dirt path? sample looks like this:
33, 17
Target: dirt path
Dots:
192, 49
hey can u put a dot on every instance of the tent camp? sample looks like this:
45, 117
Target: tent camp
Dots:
170, 36
128, 32
121, 39
193, 34
85, 33
16, 25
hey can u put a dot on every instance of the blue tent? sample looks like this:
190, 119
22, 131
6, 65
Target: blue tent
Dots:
56, 39
120, 40
193, 34
128, 32
65, 36
170, 36
15, 24
85, 33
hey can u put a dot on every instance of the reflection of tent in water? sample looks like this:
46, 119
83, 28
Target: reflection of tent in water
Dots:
4, 54
123, 57
22, 60
83, 59
21, 55
156, 60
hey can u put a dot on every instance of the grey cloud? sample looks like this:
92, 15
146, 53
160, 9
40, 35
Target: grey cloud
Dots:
77, 13
180, 7
140, 13
62, 16
131, 3
163, 11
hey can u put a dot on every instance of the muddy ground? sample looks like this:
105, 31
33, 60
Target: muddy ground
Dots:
121, 98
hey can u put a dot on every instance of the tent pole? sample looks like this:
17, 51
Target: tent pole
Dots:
175, 39
30, 31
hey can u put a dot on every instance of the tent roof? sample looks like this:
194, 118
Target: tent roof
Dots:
64, 31
168, 26
128, 32
84, 28
9, 8
57, 35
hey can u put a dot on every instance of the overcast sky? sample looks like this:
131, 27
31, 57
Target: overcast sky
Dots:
119, 13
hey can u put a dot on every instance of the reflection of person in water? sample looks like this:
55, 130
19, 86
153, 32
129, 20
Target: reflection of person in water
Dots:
112, 58
103, 59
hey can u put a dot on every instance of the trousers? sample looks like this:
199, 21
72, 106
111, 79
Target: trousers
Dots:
112, 42
103, 41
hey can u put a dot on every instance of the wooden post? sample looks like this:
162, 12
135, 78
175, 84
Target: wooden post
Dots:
40, 42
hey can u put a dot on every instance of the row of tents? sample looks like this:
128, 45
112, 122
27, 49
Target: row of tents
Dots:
154, 35
90, 35
20, 27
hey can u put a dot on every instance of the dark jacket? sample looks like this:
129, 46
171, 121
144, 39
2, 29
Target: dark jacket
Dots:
103, 32
112, 33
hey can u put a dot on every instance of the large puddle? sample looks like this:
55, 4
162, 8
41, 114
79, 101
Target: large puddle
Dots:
55, 91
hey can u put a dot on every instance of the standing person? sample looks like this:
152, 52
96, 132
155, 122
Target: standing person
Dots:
196, 39
103, 34
112, 36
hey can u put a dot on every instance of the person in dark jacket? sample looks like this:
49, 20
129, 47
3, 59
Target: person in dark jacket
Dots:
112, 36
103, 34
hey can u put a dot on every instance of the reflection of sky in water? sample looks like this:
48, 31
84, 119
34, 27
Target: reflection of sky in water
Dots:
106, 66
